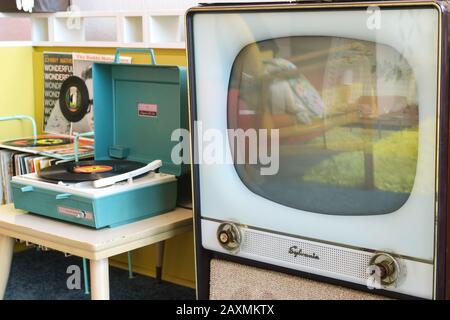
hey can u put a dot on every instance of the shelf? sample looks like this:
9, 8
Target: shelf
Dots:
106, 44
165, 28
147, 29
132, 29
12, 44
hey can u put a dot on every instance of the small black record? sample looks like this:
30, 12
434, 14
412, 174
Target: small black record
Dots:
88, 170
39, 142
74, 99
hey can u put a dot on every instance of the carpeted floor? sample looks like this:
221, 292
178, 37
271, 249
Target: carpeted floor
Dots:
39, 275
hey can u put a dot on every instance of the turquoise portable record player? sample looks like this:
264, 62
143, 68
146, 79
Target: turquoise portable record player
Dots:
137, 107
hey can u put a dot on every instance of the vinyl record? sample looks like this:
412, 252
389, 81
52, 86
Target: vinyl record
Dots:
74, 99
39, 142
88, 170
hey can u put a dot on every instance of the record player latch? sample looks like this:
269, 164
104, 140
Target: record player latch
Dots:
27, 189
62, 196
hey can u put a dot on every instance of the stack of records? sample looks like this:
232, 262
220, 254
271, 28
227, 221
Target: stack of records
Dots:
14, 163
31, 155
54, 146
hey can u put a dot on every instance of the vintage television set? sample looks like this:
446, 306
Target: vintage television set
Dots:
350, 102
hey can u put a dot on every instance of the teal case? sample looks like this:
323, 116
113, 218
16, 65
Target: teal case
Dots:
124, 127
137, 107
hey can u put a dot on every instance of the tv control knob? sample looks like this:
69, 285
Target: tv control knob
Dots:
229, 236
386, 268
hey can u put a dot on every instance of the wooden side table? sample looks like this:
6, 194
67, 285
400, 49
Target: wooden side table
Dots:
95, 245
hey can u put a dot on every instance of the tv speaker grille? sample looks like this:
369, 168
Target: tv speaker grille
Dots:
303, 253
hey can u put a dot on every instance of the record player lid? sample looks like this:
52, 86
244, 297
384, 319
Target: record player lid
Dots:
137, 107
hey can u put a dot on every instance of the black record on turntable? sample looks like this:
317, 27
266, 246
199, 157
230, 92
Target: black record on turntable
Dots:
74, 99
88, 170
38, 142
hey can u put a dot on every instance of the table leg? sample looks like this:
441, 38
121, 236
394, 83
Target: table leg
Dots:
6, 253
159, 260
99, 279
85, 277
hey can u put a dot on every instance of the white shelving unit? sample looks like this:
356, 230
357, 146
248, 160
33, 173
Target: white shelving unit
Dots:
149, 29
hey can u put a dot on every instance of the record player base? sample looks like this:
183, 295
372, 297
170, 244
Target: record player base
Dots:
110, 210
95, 245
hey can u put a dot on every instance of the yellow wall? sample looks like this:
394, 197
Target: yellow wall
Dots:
179, 254
16, 90
16, 93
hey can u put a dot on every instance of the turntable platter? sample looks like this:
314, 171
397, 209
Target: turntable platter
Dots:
88, 170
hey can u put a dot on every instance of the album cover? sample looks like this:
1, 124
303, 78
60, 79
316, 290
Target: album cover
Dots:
68, 92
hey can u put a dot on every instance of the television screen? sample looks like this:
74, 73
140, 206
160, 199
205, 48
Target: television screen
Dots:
347, 115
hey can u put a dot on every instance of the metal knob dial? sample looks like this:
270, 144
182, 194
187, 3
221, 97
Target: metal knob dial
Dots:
229, 236
386, 267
